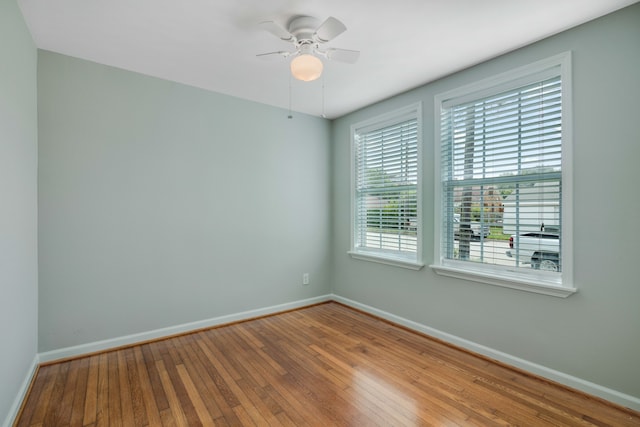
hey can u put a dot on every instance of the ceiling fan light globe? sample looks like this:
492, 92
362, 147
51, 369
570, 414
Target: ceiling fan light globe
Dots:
306, 67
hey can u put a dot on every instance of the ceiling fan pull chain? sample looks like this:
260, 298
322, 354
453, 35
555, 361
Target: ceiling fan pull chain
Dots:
290, 116
324, 116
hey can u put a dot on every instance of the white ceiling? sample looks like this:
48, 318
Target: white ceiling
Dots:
212, 44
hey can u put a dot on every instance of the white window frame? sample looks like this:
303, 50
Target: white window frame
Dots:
559, 285
409, 112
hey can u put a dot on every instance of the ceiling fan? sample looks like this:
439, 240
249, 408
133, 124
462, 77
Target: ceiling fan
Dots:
308, 39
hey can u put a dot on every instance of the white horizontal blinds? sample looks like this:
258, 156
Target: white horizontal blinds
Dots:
501, 157
386, 182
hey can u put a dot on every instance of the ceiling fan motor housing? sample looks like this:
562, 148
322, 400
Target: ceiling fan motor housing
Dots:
303, 28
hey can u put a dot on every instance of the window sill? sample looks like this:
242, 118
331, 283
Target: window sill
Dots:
396, 262
505, 281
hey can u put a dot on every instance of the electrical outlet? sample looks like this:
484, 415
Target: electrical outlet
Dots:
305, 279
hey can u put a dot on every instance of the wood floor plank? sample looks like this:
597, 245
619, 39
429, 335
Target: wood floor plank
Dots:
383, 369
102, 408
200, 407
47, 375
91, 399
380, 358
147, 395
384, 360
200, 379
52, 416
314, 393
70, 387
151, 354
115, 389
323, 365
171, 361
174, 403
396, 402
80, 393
231, 378
137, 401
218, 372
324, 376
224, 398
126, 398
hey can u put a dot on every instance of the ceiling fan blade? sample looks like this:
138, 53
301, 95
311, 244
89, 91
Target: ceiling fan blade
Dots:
273, 56
343, 55
329, 29
277, 30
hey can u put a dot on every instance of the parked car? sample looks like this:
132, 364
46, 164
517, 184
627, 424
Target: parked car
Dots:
541, 249
477, 228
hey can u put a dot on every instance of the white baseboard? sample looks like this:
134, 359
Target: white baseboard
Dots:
22, 393
93, 347
551, 374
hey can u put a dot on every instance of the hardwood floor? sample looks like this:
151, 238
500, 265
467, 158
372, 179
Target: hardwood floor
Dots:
325, 365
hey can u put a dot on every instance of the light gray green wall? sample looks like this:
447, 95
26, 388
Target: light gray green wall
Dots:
18, 204
162, 204
594, 334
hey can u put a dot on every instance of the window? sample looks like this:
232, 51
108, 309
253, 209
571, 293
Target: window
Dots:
504, 193
386, 189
